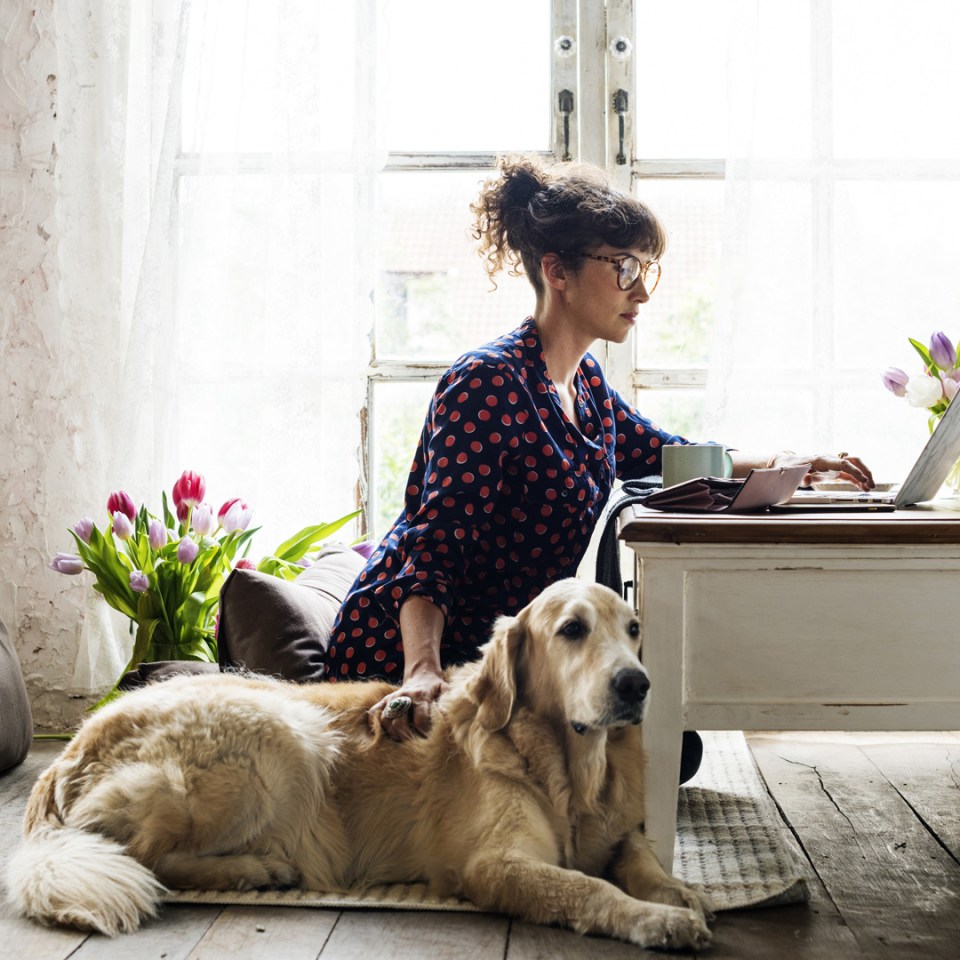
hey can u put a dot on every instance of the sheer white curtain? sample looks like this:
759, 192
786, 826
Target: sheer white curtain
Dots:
276, 265
842, 199
218, 253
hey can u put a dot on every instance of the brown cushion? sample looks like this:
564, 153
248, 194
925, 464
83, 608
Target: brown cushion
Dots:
16, 722
282, 627
152, 671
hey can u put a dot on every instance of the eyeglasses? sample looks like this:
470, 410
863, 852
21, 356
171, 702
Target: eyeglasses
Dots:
629, 270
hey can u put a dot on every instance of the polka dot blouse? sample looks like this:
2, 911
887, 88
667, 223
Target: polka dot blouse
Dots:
502, 498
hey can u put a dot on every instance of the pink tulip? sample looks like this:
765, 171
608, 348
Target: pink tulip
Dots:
189, 489
950, 387
234, 515
187, 550
183, 511
203, 521
122, 502
68, 563
244, 564
83, 528
157, 534
139, 582
122, 526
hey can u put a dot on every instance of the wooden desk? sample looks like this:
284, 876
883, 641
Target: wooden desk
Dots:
785, 622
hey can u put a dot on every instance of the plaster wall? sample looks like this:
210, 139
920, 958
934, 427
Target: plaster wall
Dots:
40, 380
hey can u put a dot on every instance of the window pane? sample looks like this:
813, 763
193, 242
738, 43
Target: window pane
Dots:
675, 326
896, 75
468, 76
880, 275
396, 421
679, 411
434, 299
673, 61
696, 57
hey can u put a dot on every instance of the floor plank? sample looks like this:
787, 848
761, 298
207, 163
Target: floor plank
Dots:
927, 776
23, 938
528, 941
267, 933
172, 936
412, 935
895, 886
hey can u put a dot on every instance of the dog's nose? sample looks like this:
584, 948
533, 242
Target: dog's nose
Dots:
631, 686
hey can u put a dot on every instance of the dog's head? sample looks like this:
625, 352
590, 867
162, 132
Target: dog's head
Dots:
573, 654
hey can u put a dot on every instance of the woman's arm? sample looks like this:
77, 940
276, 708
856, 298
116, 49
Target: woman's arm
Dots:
840, 467
421, 627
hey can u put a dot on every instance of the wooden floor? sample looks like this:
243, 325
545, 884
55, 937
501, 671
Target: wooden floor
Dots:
878, 816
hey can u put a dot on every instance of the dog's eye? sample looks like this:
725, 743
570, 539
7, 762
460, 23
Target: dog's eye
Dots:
634, 628
573, 630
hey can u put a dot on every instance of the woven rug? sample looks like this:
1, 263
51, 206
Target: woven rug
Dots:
731, 843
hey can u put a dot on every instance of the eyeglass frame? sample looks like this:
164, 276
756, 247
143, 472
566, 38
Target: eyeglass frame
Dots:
620, 261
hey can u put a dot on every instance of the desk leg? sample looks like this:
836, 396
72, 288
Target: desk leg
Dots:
661, 613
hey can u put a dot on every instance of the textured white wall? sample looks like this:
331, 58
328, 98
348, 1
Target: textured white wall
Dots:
41, 452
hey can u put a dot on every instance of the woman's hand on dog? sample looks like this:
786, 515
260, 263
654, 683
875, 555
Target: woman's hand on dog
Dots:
421, 626
422, 689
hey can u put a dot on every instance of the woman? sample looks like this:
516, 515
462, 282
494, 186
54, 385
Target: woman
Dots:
521, 443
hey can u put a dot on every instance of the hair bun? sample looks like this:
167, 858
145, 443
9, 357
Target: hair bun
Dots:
523, 179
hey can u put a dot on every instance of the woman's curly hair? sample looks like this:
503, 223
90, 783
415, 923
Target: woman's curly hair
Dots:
531, 209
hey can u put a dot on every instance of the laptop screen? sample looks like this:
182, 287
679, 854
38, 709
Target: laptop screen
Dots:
940, 453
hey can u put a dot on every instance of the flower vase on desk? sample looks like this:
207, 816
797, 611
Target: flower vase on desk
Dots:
952, 483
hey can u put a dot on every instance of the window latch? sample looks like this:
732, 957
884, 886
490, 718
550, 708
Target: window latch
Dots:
566, 108
620, 101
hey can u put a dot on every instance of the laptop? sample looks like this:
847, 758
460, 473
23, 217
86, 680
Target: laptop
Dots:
923, 482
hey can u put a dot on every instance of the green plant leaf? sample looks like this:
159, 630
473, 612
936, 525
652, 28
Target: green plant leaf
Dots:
924, 353
169, 518
279, 568
294, 548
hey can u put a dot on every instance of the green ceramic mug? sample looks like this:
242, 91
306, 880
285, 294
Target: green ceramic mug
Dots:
688, 461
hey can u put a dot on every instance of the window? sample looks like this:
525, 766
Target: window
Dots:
544, 85
324, 219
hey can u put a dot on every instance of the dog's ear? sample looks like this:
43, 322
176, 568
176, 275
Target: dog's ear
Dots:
495, 686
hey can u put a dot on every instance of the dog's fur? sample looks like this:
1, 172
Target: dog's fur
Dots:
526, 797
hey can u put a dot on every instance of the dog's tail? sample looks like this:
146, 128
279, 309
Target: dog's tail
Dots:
67, 876
62, 875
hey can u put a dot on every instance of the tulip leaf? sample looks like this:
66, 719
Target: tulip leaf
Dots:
294, 548
169, 518
923, 351
279, 568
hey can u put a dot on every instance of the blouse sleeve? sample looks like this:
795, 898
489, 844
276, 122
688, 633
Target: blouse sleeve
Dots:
639, 441
453, 488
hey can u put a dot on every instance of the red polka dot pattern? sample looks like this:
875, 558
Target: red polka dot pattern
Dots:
503, 495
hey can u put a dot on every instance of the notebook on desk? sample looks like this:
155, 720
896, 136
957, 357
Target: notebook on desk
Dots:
923, 482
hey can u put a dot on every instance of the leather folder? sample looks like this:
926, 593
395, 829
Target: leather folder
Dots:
757, 491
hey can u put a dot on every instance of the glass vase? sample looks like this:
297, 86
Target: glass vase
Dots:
952, 483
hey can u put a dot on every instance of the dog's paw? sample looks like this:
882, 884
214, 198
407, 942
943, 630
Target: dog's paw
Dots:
672, 928
675, 894
265, 873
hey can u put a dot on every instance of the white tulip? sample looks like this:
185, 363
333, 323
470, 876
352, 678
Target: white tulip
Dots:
924, 391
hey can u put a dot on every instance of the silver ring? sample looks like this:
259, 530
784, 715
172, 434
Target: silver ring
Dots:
397, 707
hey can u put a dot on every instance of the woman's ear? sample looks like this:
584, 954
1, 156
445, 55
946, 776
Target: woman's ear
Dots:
554, 272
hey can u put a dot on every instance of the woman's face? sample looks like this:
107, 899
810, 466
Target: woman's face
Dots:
594, 299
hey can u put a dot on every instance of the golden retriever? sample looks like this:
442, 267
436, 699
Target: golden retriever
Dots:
526, 797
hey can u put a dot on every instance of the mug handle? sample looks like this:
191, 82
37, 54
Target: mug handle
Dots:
727, 464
